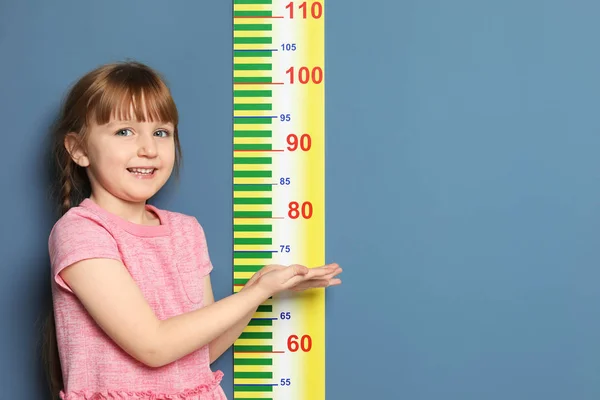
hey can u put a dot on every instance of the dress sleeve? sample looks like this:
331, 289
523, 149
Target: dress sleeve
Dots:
201, 249
75, 238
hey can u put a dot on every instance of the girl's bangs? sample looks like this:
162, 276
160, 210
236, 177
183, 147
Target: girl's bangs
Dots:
142, 97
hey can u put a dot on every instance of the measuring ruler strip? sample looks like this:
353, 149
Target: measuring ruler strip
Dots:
278, 192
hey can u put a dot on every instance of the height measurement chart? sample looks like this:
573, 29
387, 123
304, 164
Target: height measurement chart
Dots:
278, 192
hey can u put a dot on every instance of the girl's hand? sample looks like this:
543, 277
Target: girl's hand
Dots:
276, 278
323, 281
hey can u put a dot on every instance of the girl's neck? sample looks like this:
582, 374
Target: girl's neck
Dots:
129, 211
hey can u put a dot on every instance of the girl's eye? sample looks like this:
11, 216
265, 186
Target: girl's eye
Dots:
162, 133
123, 132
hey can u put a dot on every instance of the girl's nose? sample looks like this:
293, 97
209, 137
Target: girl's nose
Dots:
147, 147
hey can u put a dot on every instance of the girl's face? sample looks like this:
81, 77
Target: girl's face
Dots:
130, 160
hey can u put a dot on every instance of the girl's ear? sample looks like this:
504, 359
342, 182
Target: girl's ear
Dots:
77, 152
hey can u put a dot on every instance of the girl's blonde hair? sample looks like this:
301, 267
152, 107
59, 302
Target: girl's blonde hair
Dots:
128, 90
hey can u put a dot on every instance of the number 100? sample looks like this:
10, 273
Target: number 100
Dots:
305, 75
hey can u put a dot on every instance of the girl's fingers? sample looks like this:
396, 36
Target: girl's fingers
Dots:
334, 273
327, 276
318, 277
318, 283
320, 272
312, 284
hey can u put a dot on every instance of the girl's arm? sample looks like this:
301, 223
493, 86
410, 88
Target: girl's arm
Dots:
112, 298
221, 343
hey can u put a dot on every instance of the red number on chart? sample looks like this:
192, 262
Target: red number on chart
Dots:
304, 142
316, 10
304, 344
305, 75
296, 210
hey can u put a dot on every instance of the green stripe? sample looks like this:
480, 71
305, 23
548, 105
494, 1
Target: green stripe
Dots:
252, 361
252, 27
253, 121
265, 308
254, 255
252, 53
252, 93
261, 322
253, 241
253, 375
252, 40
252, 228
237, 388
252, 1
253, 348
246, 133
252, 188
253, 107
252, 214
247, 268
252, 146
252, 79
264, 13
252, 67
252, 200
240, 281
256, 335
252, 174
252, 160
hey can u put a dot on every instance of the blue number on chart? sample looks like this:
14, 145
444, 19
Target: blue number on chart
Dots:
285, 117
284, 181
285, 382
285, 315
288, 47
284, 248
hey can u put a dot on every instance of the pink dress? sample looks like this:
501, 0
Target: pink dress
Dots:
168, 263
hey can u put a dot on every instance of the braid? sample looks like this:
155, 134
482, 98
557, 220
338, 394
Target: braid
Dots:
66, 184
66, 187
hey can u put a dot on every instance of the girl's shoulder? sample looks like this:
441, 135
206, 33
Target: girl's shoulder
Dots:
78, 219
77, 228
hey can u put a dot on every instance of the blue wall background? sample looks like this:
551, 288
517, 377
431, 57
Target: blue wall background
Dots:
462, 190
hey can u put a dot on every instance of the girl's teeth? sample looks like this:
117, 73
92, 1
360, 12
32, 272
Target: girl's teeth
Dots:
141, 170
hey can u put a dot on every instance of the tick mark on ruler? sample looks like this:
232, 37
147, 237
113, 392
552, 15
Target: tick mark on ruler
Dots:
257, 251
260, 217
261, 151
258, 352
256, 384
255, 50
257, 16
258, 83
255, 116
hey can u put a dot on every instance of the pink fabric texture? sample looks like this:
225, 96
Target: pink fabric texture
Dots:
168, 262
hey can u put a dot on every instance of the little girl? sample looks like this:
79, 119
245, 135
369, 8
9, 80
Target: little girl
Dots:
133, 310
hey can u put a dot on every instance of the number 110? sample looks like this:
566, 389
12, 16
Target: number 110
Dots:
316, 10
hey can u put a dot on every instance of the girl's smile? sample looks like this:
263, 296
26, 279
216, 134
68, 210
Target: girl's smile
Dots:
142, 172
